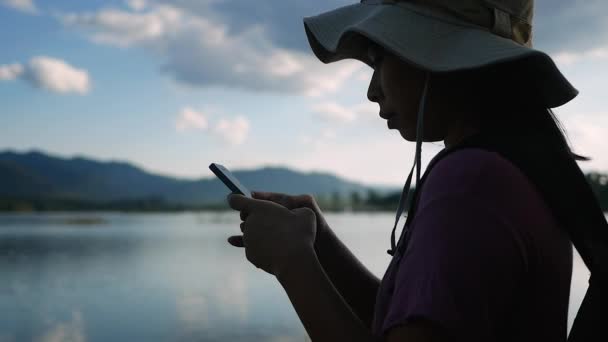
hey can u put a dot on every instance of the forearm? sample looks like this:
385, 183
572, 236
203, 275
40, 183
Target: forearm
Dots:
355, 283
322, 310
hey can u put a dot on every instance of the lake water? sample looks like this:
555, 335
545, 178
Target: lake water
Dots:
158, 277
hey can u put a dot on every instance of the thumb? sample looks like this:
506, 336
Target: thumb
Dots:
305, 212
265, 195
240, 202
275, 197
236, 241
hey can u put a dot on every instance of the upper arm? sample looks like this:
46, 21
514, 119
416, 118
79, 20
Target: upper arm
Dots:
466, 257
461, 270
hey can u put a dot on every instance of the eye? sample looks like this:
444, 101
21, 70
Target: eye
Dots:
375, 55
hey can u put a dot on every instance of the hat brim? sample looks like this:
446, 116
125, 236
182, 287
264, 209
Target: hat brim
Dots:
436, 43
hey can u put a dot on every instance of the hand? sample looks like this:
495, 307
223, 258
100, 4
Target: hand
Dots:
273, 235
289, 202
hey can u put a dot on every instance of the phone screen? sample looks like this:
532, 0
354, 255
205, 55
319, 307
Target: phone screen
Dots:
229, 179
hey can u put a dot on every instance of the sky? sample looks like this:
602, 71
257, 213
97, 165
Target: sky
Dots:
174, 85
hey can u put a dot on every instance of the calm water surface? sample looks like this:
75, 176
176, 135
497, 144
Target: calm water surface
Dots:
157, 277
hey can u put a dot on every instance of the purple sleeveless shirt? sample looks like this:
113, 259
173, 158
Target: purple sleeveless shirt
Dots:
486, 259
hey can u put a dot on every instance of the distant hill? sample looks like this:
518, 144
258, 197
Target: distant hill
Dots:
39, 175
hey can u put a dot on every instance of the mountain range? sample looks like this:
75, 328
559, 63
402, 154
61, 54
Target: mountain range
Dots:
36, 174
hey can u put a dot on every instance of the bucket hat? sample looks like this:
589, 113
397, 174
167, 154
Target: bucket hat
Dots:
442, 36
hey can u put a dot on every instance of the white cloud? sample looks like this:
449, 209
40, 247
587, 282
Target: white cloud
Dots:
330, 78
325, 137
328, 134
367, 109
10, 71
137, 5
334, 112
26, 6
233, 131
189, 118
365, 75
200, 50
376, 159
56, 75
587, 133
566, 58
49, 73
123, 28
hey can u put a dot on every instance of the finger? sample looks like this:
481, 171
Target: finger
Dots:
282, 199
306, 212
240, 202
236, 241
303, 200
266, 195
242, 225
244, 215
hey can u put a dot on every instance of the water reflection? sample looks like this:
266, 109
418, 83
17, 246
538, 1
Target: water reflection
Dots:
135, 277
156, 277
72, 330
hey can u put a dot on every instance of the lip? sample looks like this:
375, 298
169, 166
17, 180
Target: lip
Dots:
387, 115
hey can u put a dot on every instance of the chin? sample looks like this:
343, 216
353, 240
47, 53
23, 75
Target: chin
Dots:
410, 135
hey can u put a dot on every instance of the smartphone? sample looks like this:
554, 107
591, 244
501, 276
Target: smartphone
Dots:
229, 179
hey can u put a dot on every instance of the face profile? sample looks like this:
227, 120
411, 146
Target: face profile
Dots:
396, 87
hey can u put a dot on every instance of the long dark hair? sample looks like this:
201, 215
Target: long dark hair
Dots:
510, 107
515, 122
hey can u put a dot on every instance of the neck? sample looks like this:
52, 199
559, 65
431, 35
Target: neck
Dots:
459, 132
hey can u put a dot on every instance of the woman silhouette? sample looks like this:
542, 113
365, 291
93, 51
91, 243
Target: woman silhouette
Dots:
486, 251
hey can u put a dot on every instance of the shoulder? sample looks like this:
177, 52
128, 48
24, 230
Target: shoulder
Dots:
474, 173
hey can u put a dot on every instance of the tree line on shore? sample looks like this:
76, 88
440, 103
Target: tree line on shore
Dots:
334, 202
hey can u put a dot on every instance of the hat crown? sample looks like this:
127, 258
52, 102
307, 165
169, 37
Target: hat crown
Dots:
510, 19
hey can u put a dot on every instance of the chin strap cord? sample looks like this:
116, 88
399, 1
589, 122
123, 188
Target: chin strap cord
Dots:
406, 188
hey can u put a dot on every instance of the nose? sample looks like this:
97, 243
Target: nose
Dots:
374, 92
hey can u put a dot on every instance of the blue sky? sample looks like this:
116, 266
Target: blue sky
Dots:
173, 85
